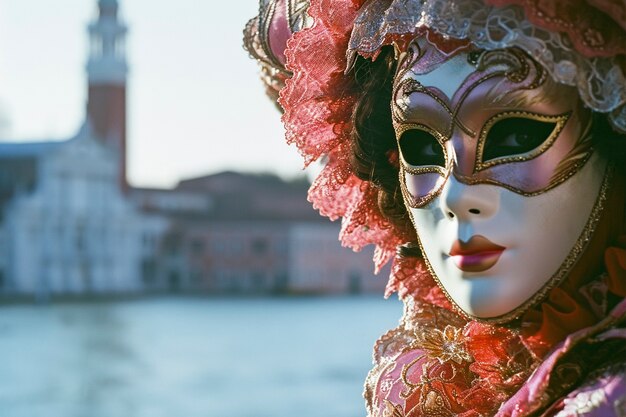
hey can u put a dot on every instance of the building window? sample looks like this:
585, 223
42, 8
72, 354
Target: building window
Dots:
259, 246
281, 282
258, 281
148, 270
197, 246
174, 281
196, 277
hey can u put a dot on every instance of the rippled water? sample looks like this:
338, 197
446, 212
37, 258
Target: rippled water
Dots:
177, 357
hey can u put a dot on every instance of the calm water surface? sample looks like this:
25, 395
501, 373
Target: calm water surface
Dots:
177, 357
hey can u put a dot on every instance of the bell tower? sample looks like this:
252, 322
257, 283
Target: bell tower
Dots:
107, 71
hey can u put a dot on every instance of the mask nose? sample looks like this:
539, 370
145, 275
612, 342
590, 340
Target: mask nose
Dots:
468, 202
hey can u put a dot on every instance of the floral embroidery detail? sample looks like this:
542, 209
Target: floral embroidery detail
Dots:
446, 345
583, 403
436, 364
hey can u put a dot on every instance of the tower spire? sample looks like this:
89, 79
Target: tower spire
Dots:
107, 57
107, 71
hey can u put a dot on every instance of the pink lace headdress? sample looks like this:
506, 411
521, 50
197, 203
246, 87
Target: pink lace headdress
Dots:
580, 43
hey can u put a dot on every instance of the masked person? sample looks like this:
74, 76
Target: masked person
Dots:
480, 146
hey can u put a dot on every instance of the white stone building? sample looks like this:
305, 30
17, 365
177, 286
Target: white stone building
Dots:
67, 227
66, 223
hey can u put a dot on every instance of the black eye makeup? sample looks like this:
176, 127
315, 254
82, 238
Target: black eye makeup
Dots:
424, 163
516, 137
420, 148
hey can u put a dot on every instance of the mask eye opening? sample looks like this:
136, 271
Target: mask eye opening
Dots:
422, 149
516, 136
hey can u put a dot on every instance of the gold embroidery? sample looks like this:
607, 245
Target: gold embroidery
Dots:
405, 168
580, 152
417, 202
553, 182
511, 64
517, 62
371, 384
405, 379
518, 70
408, 86
568, 374
433, 404
444, 345
428, 386
466, 93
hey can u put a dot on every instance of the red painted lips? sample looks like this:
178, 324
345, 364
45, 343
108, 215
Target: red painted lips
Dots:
476, 255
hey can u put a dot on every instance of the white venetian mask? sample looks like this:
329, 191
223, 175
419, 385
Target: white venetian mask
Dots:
498, 175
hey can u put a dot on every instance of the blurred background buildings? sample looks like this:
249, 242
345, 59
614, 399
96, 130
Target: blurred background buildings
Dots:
71, 224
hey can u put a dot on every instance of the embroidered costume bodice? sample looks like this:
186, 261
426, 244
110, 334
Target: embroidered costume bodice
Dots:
437, 364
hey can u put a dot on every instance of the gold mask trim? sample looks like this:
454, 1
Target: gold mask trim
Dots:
417, 202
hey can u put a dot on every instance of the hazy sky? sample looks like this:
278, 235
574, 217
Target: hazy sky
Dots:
195, 104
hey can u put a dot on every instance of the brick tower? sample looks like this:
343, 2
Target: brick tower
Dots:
106, 74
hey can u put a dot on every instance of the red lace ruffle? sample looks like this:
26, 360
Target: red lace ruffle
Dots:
409, 276
318, 103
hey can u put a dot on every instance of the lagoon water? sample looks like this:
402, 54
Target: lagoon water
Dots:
190, 357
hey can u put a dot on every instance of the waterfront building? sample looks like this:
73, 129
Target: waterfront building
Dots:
66, 225
319, 264
70, 223
256, 234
